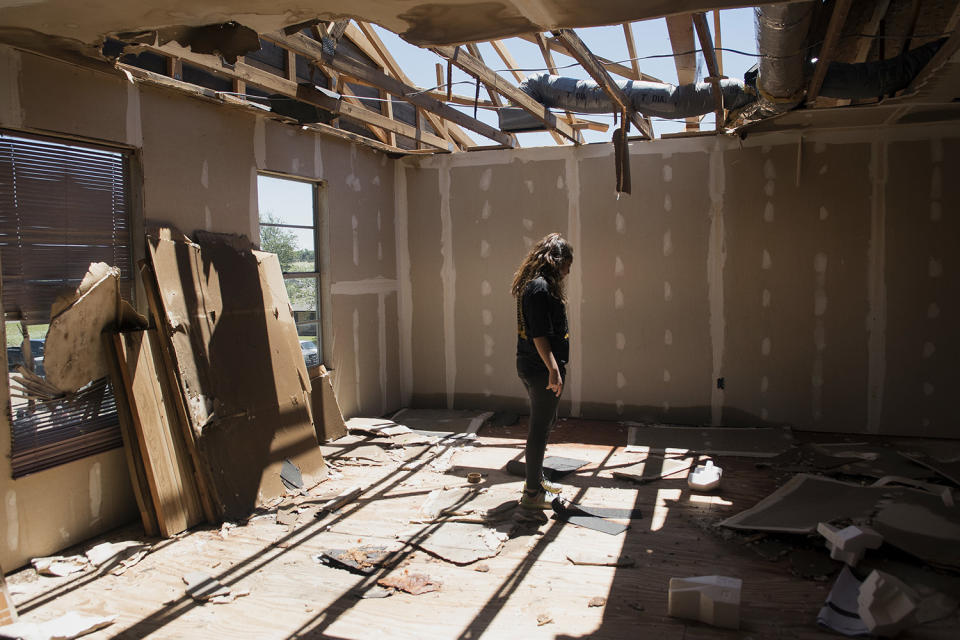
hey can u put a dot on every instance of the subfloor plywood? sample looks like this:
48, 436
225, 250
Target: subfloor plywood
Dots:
734, 441
291, 595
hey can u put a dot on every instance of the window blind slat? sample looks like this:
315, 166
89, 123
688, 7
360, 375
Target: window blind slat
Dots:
62, 206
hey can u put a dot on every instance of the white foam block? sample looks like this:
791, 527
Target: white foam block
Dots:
886, 605
714, 600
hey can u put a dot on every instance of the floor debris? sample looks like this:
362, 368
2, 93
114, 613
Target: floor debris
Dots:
840, 611
713, 600
201, 587
850, 543
591, 518
597, 601
543, 619
376, 427
449, 420
364, 560
949, 469
886, 605
654, 468
412, 583
125, 554
68, 626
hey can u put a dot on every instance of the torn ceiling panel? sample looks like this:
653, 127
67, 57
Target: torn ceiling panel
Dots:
422, 23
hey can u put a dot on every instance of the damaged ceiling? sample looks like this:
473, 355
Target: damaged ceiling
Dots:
323, 65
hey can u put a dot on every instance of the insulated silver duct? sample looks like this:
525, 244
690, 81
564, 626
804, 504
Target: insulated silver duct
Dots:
657, 99
781, 41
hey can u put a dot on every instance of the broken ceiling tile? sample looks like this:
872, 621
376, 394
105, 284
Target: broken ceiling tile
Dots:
590, 517
949, 469
554, 467
448, 420
202, 587
59, 565
364, 560
107, 551
655, 468
65, 627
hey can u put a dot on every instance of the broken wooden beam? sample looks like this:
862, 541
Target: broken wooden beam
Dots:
837, 18
485, 74
589, 62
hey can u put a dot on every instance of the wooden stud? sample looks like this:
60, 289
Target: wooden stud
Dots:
710, 57
609, 65
718, 40
837, 18
631, 48
944, 54
680, 30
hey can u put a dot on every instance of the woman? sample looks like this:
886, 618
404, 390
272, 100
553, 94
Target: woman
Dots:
543, 348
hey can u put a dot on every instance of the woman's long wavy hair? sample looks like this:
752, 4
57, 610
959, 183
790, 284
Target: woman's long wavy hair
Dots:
547, 259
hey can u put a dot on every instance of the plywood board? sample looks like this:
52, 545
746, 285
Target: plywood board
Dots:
231, 333
732, 441
131, 448
166, 460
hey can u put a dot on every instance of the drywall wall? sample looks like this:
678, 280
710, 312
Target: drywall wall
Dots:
808, 276
195, 166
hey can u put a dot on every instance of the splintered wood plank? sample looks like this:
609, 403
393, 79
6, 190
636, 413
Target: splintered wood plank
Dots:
131, 445
169, 470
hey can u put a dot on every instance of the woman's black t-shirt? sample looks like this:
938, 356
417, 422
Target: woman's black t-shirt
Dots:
539, 314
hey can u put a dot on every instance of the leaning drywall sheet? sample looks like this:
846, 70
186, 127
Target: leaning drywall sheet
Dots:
733, 441
166, 460
246, 389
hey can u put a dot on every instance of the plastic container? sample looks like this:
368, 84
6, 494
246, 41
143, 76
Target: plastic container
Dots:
705, 477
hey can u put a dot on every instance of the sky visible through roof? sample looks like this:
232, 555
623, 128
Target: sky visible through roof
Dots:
737, 31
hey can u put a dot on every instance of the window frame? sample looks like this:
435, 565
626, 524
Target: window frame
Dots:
73, 443
320, 255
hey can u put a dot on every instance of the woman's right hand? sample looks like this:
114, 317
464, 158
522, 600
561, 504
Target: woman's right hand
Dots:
555, 383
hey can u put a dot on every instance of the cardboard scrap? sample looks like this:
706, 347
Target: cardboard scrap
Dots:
68, 626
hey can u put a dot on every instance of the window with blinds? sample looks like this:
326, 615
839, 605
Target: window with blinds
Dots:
63, 205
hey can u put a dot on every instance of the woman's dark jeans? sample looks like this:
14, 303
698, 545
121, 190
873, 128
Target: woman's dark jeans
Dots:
543, 415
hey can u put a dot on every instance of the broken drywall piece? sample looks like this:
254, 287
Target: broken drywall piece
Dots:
591, 518
376, 427
705, 477
714, 600
74, 354
68, 626
450, 420
763, 442
840, 611
949, 469
923, 527
654, 468
945, 493
326, 411
587, 557
114, 551
462, 543
554, 467
850, 543
365, 455
886, 605
59, 566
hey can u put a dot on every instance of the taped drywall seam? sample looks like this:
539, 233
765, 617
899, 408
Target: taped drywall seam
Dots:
716, 259
134, 128
11, 111
317, 157
877, 293
259, 163
382, 344
356, 361
363, 287
574, 281
405, 284
448, 278
96, 493
13, 521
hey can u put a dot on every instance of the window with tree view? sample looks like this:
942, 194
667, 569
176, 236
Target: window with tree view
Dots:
288, 228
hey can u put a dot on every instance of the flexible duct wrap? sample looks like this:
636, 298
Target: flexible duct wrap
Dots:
655, 99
